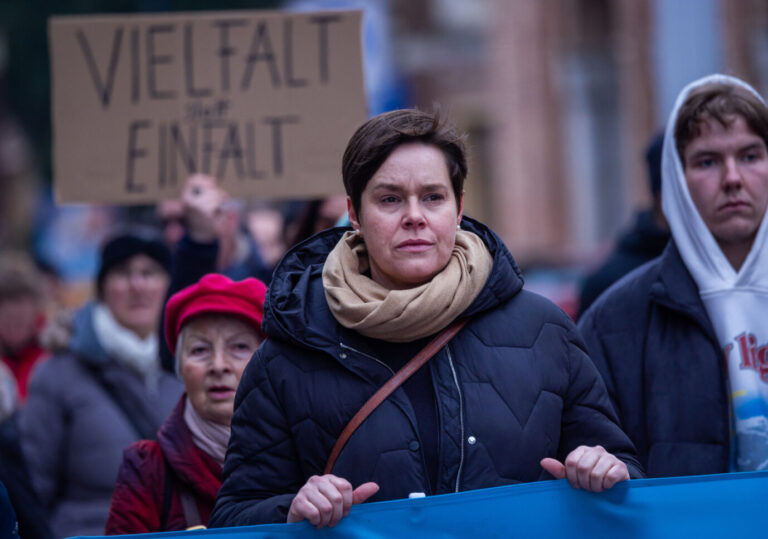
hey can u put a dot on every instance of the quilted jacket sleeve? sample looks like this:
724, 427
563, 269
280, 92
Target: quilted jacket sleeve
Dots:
597, 352
42, 424
261, 474
615, 339
137, 499
589, 417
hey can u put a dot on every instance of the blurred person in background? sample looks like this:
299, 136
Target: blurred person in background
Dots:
170, 214
212, 327
240, 255
14, 474
682, 341
316, 216
215, 237
223, 235
20, 180
266, 225
53, 287
22, 316
102, 389
644, 242
347, 309
214, 241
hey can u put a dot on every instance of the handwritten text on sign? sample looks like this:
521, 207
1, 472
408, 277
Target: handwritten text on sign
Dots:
265, 101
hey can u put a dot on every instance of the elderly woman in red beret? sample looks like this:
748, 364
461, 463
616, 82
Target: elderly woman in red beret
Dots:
213, 327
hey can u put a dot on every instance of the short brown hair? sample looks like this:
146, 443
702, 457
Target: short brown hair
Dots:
19, 277
719, 101
377, 138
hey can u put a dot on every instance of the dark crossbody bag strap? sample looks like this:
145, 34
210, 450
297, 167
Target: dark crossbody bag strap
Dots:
130, 412
167, 493
426, 353
189, 506
188, 503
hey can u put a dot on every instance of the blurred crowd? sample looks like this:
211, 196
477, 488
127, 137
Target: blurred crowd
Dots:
108, 327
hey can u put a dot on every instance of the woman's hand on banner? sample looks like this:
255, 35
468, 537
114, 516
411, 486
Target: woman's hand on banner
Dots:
590, 468
325, 500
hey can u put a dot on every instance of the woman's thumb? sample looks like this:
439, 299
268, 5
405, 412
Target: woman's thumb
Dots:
363, 492
554, 467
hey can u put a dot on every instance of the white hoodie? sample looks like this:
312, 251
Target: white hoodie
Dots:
736, 301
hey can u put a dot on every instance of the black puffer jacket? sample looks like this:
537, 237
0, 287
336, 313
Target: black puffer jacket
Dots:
657, 351
513, 387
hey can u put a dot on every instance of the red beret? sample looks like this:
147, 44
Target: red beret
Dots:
214, 293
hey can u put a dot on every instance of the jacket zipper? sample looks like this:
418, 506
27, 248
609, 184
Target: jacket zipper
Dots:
380, 362
344, 346
461, 417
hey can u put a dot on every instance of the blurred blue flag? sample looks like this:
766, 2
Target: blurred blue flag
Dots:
704, 506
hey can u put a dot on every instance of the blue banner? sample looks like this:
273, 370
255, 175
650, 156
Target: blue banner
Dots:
726, 505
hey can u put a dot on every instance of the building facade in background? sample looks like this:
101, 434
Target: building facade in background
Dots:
561, 97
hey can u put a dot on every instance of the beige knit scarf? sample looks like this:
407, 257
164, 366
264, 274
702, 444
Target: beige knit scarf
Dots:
359, 303
210, 437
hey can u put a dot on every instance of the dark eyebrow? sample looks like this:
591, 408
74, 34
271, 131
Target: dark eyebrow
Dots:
753, 146
435, 187
396, 187
387, 187
698, 154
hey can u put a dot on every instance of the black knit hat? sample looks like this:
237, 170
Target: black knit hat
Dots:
123, 246
653, 160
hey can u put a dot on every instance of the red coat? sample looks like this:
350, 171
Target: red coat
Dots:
22, 365
137, 501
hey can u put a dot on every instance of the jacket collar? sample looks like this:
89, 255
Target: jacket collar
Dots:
675, 289
193, 467
295, 309
84, 343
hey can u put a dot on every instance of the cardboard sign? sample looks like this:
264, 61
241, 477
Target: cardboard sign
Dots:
265, 101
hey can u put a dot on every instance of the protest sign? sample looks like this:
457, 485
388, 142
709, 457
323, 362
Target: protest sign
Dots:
263, 100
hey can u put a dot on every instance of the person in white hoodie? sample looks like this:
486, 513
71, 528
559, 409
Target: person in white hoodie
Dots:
682, 342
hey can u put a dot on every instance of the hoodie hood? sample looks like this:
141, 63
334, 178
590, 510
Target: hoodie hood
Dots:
698, 247
83, 342
296, 311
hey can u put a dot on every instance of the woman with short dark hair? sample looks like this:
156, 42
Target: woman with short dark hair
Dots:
512, 397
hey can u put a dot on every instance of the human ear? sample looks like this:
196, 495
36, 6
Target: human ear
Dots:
461, 209
353, 220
